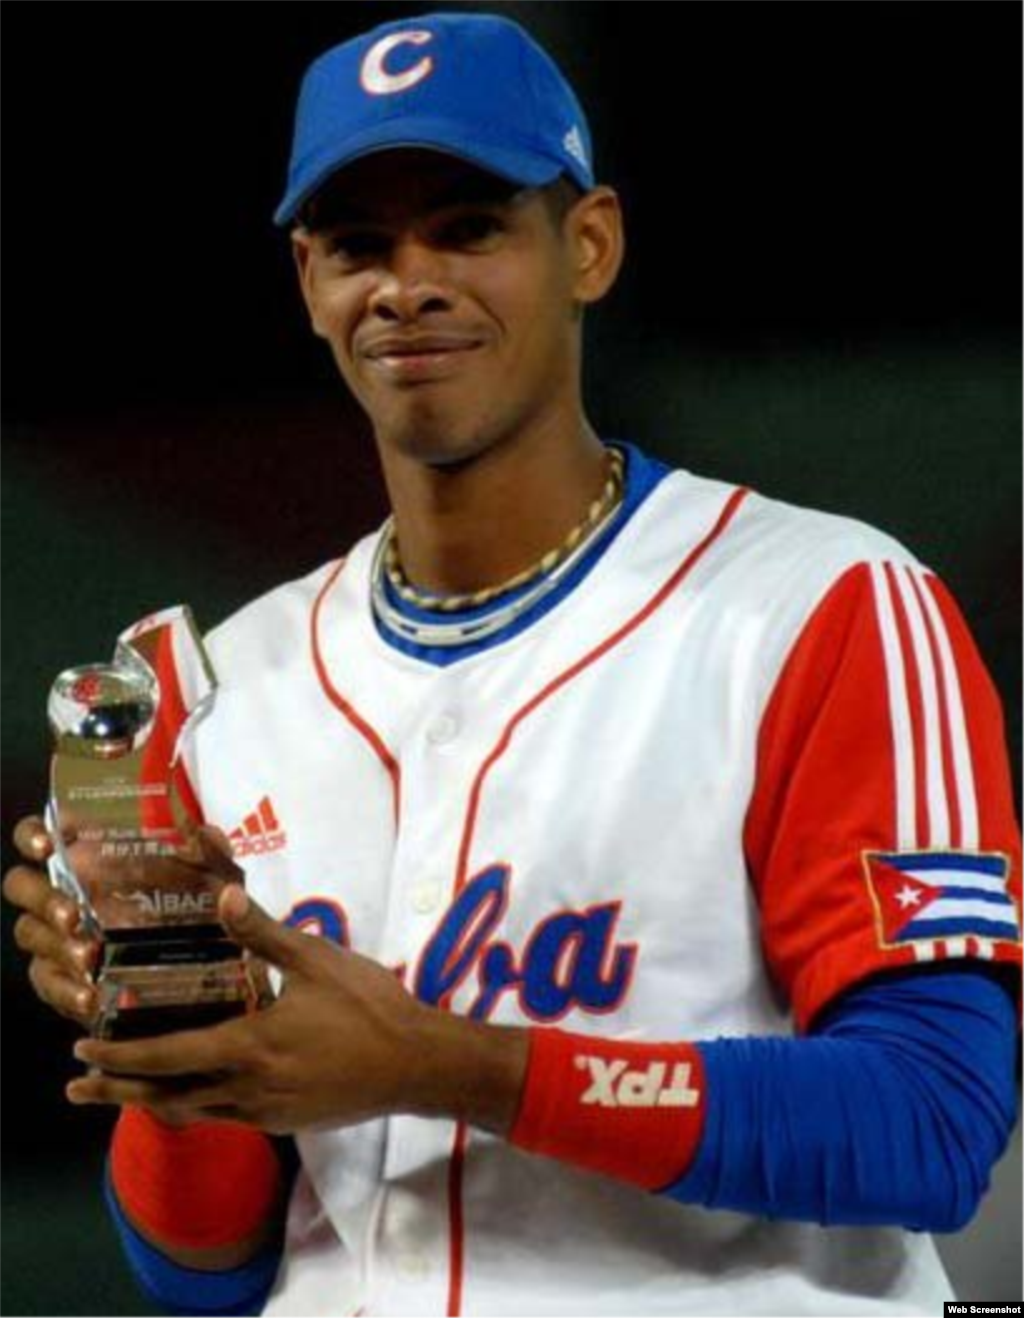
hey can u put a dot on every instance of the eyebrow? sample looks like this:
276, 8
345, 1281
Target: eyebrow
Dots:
485, 189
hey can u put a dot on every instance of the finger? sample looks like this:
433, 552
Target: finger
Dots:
220, 839
251, 927
32, 839
76, 956
30, 890
218, 1101
67, 996
186, 1053
178, 1102
218, 855
210, 849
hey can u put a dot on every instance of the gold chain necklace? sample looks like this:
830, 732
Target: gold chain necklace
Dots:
602, 508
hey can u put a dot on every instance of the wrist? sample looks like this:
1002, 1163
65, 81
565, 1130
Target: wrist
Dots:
469, 1071
632, 1111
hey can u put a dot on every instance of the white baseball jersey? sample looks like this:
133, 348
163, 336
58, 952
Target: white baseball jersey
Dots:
666, 810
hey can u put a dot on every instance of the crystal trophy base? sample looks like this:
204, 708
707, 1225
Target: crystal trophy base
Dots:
156, 985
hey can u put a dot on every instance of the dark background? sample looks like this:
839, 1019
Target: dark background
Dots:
821, 299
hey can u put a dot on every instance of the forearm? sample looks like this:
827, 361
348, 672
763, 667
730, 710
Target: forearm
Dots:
851, 1131
893, 1115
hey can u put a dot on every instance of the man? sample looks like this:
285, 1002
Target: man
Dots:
600, 783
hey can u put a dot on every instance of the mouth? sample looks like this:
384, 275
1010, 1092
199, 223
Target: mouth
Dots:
420, 360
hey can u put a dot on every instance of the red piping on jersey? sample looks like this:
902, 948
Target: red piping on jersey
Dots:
557, 683
364, 729
456, 1234
455, 1171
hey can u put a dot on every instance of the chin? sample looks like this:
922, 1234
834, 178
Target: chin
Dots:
436, 441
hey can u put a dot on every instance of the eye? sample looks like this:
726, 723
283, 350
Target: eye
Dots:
356, 246
472, 230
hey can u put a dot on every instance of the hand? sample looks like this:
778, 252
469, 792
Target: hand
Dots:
50, 929
342, 1044
333, 1049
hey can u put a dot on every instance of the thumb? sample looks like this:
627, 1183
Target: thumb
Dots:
251, 927
208, 847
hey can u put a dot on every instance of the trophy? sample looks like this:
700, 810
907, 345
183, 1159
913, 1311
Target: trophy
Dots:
119, 788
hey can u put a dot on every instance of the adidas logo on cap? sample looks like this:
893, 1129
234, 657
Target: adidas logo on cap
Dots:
573, 143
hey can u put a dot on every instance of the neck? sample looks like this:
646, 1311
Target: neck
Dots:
476, 524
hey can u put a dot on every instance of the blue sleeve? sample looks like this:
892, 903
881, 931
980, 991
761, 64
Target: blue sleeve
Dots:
182, 1290
892, 1112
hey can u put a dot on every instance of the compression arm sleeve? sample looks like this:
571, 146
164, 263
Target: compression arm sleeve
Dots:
892, 1112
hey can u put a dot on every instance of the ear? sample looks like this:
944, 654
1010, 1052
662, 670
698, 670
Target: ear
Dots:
305, 265
593, 227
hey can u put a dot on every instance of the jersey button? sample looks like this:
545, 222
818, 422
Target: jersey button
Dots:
413, 1265
444, 729
426, 897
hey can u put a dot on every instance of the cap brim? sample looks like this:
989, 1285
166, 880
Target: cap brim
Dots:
524, 166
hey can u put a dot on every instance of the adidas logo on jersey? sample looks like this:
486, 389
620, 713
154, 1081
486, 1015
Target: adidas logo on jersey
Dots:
613, 1085
258, 832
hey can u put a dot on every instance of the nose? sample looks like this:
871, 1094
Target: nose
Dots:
412, 282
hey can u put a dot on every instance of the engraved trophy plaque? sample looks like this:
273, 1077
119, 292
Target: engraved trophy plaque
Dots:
119, 788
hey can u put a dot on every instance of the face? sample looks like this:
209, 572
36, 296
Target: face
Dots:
450, 298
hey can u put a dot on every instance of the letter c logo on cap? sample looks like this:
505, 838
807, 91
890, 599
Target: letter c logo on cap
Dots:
375, 78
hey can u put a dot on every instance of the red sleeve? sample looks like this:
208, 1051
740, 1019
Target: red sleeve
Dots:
201, 1186
881, 831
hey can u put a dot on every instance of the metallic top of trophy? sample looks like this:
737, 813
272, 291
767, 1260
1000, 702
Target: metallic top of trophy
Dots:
103, 711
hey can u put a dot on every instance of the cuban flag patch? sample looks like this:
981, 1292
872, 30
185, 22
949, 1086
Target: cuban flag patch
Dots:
947, 895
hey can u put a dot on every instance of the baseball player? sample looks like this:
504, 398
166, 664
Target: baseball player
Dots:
636, 854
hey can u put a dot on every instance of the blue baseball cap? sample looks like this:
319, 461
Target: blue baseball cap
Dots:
470, 85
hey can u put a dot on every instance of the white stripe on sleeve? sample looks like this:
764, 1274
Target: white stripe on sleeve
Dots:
962, 767
899, 714
938, 810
